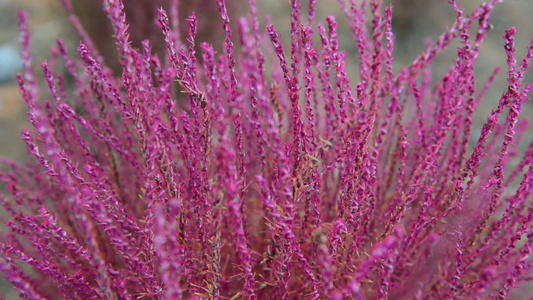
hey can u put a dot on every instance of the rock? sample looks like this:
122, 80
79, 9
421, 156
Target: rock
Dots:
10, 62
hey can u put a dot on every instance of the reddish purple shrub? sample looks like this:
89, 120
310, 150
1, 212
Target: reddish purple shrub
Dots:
142, 15
278, 178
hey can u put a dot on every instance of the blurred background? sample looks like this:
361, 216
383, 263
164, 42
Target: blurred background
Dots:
413, 22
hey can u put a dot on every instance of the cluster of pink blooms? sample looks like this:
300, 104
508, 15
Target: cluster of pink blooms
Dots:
262, 171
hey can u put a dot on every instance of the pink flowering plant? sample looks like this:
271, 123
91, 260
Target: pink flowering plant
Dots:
264, 172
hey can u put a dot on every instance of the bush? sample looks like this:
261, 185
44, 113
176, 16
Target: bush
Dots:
264, 173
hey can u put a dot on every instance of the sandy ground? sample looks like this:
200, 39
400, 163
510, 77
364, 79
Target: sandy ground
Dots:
413, 21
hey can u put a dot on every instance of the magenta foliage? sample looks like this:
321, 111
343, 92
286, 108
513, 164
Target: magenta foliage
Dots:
264, 172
